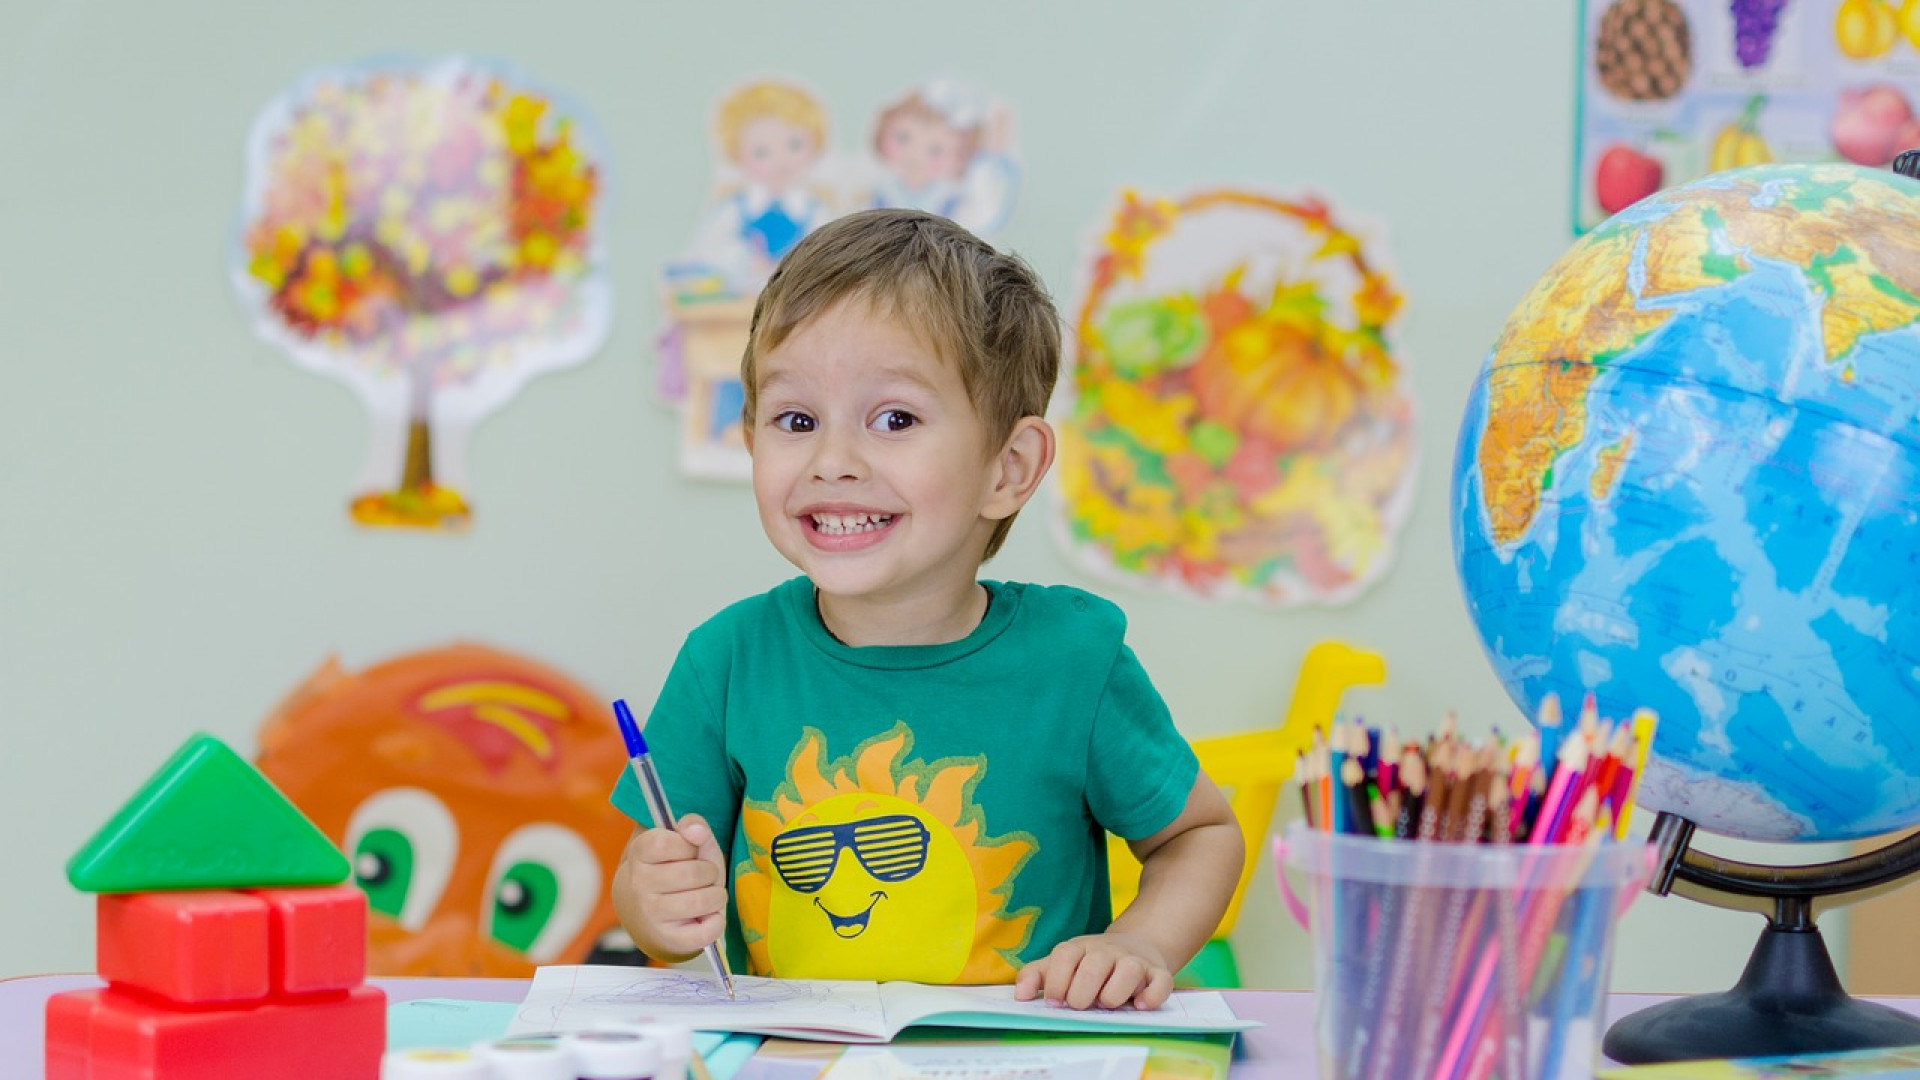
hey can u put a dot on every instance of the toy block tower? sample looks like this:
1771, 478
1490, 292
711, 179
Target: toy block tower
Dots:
231, 942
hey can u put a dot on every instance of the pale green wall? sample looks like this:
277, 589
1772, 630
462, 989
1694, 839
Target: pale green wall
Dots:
175, 556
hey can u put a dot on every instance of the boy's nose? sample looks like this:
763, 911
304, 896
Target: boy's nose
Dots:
837, 456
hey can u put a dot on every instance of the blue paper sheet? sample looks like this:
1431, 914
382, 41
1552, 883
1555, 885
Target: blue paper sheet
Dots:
450, 1022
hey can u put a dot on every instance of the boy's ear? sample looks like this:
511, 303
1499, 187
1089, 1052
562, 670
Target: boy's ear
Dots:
1019, 467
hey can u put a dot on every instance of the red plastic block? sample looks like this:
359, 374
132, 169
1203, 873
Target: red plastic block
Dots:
194, 948
319, 938
70, 1034
333, 1037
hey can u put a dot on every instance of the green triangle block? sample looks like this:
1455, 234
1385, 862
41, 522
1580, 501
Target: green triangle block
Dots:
207, 820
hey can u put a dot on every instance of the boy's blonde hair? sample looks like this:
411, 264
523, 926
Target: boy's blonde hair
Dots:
779, 100
983, 310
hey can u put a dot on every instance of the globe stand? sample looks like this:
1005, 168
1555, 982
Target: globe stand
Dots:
1789, 999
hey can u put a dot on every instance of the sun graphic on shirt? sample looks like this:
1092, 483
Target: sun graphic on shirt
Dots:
876, 866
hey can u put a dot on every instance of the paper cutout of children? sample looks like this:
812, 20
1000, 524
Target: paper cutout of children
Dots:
771, 137
947, 150
773, 134
942, 147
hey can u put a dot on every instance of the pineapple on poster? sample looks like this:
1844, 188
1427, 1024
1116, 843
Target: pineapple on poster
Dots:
1671, 90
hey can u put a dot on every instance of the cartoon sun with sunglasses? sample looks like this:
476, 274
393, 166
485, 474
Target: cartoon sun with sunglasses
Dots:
873, 866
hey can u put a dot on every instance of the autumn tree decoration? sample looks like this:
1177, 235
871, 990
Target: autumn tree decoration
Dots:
1240, 425
429, 234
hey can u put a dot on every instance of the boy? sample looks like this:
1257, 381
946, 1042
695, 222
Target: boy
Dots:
905, 772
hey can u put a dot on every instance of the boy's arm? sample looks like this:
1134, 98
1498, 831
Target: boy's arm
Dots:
669, 891
1188, 872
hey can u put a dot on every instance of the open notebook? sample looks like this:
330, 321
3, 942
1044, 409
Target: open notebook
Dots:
569, 998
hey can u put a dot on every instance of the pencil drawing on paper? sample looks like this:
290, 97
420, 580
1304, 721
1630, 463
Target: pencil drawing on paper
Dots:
668, 993
687, 989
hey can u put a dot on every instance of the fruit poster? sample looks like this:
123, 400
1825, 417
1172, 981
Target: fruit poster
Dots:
1671, 90
431, 235
941, 145
1239, 424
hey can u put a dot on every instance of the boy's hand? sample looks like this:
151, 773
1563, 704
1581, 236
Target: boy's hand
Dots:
679, 883
1108, 970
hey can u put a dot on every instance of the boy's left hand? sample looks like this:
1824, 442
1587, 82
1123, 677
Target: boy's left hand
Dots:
1108, 970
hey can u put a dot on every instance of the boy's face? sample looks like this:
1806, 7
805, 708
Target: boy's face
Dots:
871, 466
773, 151
921, 149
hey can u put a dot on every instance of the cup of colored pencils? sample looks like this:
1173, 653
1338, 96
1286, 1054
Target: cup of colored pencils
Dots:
1462, 895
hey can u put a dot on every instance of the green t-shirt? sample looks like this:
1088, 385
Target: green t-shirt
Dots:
926, 812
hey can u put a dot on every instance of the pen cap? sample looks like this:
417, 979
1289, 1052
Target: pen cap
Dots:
432, 1064
629, 729
535, 1058
601, 1054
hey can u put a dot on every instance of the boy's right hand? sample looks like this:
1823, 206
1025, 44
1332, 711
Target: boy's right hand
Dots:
676, 882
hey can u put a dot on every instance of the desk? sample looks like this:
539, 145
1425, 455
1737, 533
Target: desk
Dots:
1281, 1050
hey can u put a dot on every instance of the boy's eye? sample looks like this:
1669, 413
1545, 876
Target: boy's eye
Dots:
796, 422
895, 420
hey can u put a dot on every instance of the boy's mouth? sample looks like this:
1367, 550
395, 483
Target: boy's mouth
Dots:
848, 524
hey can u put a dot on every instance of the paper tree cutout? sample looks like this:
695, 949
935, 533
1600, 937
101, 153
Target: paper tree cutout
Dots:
429, 234
206, 820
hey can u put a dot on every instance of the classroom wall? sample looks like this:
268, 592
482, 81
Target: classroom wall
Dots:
176, 555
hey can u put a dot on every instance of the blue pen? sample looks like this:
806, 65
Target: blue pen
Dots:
656, 796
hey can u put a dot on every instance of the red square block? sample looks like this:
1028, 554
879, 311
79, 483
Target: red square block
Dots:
331, 1037
69, 1041
318, 938
195, 948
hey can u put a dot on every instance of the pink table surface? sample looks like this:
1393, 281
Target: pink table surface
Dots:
1281, 1049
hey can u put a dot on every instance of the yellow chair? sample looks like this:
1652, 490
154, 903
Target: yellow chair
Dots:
1251, 767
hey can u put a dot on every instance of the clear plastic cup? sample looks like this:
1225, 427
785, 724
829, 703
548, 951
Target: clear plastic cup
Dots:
1458, 961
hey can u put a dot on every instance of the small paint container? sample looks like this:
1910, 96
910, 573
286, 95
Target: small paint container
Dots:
537, 1057
613, 1054
674, 1040
432, 1064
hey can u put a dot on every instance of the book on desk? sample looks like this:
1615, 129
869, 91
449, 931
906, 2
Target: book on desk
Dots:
846, 1011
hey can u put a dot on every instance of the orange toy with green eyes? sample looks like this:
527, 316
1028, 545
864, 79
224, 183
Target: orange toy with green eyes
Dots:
469, 788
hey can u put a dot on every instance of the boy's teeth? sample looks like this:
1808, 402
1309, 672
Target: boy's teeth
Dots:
843, 524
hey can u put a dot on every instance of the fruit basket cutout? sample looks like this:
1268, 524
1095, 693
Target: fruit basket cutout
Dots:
1238, 424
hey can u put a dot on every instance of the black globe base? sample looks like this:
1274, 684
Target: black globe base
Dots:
1788, 1001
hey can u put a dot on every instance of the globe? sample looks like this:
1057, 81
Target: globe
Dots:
1688, 479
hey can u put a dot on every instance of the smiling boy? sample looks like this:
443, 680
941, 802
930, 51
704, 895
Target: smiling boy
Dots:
894, 769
